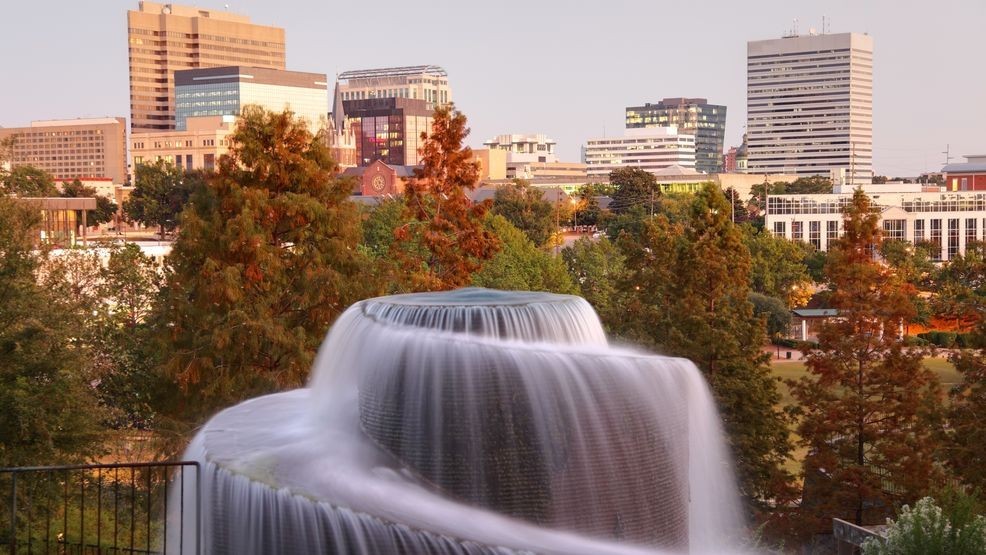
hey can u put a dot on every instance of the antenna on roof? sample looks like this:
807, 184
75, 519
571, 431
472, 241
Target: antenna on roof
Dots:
795, 32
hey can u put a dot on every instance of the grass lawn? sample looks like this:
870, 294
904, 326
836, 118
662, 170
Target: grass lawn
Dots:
793, 370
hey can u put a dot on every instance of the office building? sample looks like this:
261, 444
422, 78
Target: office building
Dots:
224, 91
388, 129
947, 220
427, 83
197, 147
690, 115
524, 148
810, 105
72, 149
165, 38
649, 149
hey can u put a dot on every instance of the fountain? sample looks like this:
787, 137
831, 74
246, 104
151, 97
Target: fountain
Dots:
472, 421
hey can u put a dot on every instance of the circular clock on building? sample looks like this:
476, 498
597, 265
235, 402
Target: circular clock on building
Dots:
378, 183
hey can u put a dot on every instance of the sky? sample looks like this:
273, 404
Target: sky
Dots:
565, 68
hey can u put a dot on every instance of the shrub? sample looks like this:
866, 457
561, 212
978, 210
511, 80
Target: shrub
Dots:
926, 529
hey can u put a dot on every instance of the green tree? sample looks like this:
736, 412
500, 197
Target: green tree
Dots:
965, 435
105, 208
775, 311
959, 287
442, 222
634, 187
526, 209
48, 409
589, 212
597, 267
28, 181
686, 293
777, 266
160, 193
863, 406
265, 260
521, 265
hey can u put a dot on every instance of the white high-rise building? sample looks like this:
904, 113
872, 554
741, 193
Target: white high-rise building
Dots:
810, 105
649, 149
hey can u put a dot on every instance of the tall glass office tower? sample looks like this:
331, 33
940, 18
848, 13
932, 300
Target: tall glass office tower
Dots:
694, 116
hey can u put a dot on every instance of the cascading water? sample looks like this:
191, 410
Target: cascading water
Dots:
472, 421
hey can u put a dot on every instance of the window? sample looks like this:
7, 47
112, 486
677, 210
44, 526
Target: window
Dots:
936, 239
831, 232
779, 229
953, 237
815, 234
919, 230
970, 231
894, 230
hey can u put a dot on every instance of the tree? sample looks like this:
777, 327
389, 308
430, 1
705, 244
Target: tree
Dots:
685, 293
589, 211
265, 260
28, 181
965, 436
161, 191
48, 410
960, 288
105, 208
777, 266
775, 311
441, 220
634, 187
526, 209
811, 185
521, 265
597, 267
863, 403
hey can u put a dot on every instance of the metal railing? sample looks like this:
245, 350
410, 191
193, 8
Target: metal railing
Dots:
101, 508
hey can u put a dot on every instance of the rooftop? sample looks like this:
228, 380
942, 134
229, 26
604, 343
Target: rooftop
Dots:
393, 72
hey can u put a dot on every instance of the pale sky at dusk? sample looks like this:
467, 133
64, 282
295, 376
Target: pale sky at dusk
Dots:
563, 68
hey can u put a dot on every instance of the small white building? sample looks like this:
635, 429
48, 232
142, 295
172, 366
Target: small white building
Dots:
649, 149
950, 220
524, 149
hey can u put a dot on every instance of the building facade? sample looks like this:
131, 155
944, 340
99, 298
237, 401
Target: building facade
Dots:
165, 38
810, 105
427, 83
649, 149
970, 176
224, 91
198, 147
388, 129
690, 115
524, 148
947, 220
72, 149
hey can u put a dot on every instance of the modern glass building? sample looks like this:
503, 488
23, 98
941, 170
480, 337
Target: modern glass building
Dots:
388, 129
223, 91
690, 115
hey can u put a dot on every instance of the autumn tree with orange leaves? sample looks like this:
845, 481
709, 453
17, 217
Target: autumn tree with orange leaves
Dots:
266, 259
865, 405
443, 240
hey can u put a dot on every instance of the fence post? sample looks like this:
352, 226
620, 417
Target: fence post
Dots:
13, 513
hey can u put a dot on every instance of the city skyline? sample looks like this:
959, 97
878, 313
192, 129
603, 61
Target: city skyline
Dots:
564, 71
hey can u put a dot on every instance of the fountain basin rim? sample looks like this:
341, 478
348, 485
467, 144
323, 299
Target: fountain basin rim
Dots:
474, 297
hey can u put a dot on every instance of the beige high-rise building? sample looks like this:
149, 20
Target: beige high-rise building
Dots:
72, 148
164, 38
197, 147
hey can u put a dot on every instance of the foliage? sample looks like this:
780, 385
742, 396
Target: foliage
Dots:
865, 399
960, 288
965, 436
160, 193
27, 181
685, 293
927, 529
634, 188
777, 266
105, 208
597, 267
48, 410
774, 310
525, 207
265, 260
589, 212
441, 220
520, 265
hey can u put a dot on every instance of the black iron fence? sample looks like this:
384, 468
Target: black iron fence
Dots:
101, 508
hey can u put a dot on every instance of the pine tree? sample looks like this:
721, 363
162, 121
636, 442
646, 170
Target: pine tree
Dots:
862, 404
440, 217
686, 294
265, 260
